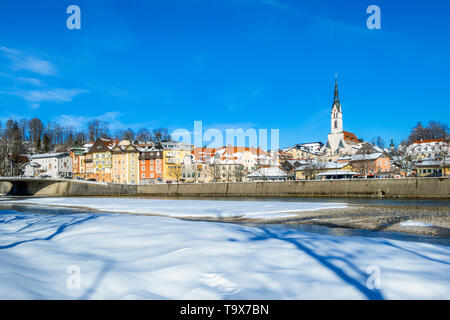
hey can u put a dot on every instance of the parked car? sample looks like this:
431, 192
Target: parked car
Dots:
91, 179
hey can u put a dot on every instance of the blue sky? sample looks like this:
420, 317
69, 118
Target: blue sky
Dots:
229, 63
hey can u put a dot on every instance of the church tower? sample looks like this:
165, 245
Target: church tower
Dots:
336, 111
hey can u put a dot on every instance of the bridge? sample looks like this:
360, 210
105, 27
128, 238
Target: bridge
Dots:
22, 186
438, 188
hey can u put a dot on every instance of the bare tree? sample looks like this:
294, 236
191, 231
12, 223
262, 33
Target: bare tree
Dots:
35, 130
97, 129
312, 168
434, 130
379, 142
161, 135
12, 149
129, 135
143, 135
213, 169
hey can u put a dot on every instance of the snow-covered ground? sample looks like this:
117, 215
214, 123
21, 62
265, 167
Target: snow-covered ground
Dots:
188, 208
149, 257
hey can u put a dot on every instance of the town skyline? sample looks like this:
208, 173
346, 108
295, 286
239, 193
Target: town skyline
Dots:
132, 68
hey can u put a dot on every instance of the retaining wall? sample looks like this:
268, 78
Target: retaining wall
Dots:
389, 188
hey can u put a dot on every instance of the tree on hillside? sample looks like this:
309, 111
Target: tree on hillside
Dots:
97, 129
12, 149
434, 130
129, 135
143, 135
161, 135
46, 143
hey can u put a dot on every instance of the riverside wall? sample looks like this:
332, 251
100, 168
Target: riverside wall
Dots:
387, 188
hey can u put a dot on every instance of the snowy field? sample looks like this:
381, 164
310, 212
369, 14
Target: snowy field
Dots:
149, 257
188, 208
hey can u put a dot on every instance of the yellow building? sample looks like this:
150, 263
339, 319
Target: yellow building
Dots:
432, 168
299, 154
173, 159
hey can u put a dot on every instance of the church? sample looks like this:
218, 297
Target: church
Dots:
340, 142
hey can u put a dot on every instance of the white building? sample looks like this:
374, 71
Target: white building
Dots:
49, 165
429, 149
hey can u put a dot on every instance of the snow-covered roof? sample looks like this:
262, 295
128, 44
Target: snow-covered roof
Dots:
50, 155
268, 172
337, 173
370, 156
320, 165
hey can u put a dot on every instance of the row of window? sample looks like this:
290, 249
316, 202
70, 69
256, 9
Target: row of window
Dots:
152, 161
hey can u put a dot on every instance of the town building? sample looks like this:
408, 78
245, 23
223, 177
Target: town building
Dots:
371, 161
432, 168
49, 165
309, 170
150, 164
99, 159
174, 154
125, 163
79, 165
428, 149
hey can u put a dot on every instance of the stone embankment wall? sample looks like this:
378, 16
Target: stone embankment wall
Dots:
389, 188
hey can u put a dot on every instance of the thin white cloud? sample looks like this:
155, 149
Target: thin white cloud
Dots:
35, 65
31, 81
80, 122
50, 95
22, 61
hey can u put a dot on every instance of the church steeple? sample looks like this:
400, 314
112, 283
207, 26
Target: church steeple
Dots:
336, 94
336, 111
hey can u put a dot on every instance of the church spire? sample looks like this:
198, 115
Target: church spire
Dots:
336, 95
336, 92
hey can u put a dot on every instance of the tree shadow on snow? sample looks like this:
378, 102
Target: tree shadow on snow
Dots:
59, 230
358, 282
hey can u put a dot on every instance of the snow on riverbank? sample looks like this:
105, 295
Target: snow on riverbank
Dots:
147, 257
412, 223
188, 208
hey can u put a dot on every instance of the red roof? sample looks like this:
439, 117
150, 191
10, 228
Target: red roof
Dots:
429, 140
348, 136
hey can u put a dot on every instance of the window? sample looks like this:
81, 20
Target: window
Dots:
143, 175
143, 161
